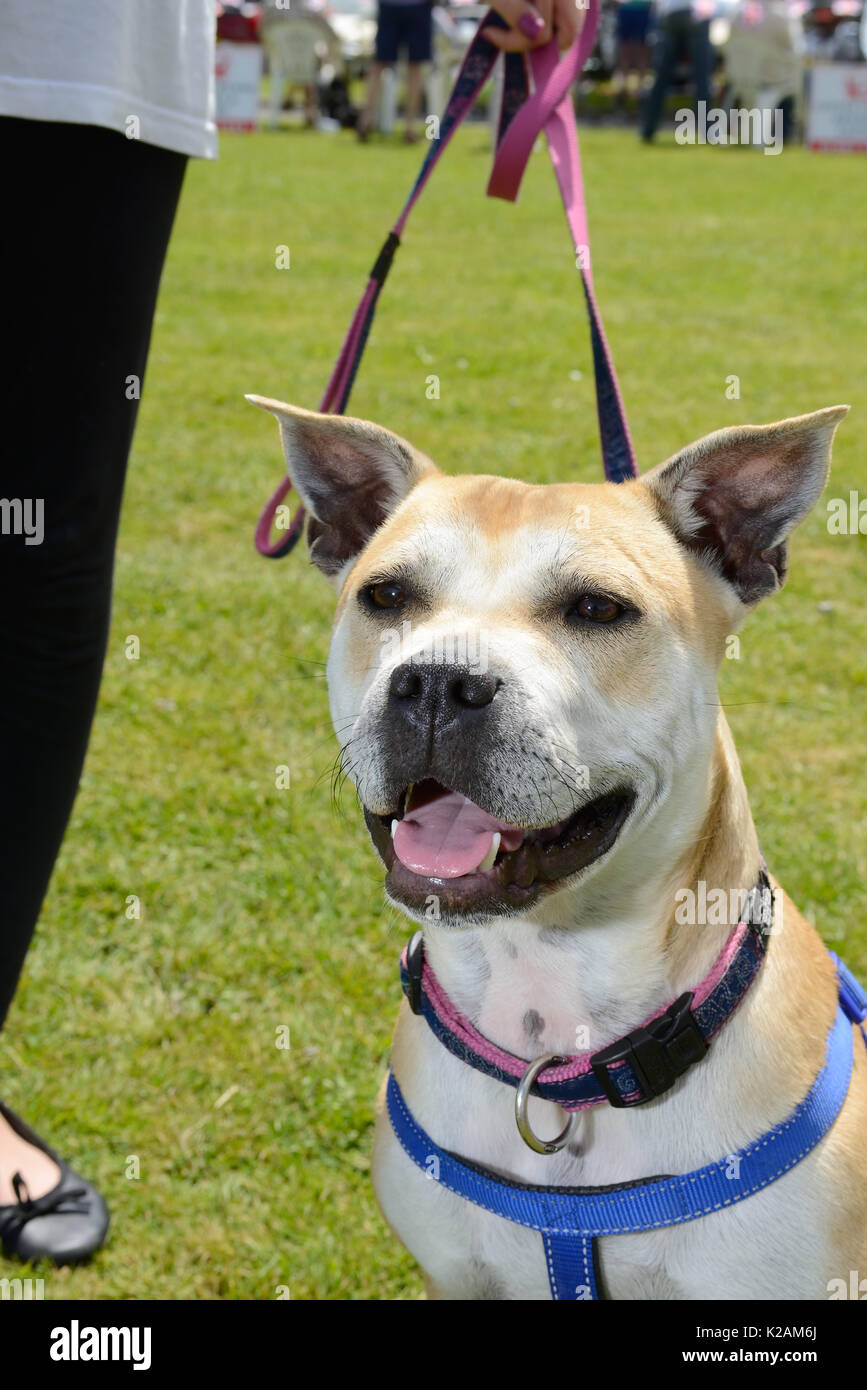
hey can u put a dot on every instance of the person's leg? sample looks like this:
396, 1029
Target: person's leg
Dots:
642, 61
386, 56
620, 75
414, 75
367, 119
666, 50
642, 46
701, 54
632, 25
87, 223
418, 36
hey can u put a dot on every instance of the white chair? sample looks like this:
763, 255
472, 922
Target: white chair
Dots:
297, 44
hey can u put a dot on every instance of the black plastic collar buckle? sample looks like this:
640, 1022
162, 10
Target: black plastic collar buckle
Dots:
414, 967
658, 1054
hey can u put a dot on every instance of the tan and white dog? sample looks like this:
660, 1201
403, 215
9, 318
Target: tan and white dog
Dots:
590, 740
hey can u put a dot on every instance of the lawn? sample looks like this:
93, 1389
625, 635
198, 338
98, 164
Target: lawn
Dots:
155, 1037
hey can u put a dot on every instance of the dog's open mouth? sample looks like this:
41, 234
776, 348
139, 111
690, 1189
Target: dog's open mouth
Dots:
440, 843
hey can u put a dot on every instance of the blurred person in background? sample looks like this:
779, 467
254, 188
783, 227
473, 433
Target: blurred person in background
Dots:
682, 31
633, 49
400, 25
530, 26
101, 104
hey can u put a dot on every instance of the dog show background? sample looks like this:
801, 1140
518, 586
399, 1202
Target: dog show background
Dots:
206, 1013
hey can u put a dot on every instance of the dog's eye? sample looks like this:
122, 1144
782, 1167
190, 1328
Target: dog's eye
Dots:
595, 608
388, 594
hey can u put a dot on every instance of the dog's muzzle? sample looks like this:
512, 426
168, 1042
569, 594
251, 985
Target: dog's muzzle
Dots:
441, 844
462, 817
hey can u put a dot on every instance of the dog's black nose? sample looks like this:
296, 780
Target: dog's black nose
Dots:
439, 693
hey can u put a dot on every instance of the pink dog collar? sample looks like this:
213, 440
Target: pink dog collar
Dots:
638, 1067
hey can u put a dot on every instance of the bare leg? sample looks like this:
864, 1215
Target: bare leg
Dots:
413, 98
629, 58
374, 88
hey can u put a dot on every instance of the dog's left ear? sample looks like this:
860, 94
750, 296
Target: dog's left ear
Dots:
350, 475
734, 496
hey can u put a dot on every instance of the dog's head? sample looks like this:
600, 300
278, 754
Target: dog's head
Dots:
523, 678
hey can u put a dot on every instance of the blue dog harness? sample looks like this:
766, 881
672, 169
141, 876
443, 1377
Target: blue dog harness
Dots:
570, 1219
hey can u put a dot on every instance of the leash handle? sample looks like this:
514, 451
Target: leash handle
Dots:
474, 71
522, 117
618, 453
550, 109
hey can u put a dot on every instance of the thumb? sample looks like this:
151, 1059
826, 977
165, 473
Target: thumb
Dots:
528, 28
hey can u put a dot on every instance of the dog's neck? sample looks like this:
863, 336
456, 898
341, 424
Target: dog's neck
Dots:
587, 965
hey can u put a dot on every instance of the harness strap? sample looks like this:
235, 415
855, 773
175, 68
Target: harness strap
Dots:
634, 1069
572, 1268
522, 117
568, 1218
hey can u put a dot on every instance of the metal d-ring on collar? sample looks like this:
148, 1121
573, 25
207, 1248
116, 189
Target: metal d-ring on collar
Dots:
522, 1097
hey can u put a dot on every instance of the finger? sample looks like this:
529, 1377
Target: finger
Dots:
512, 10
530, 25
546, 10
513, 41
568, 21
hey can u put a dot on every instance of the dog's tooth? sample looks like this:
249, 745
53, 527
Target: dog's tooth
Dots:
488, 861
394, 825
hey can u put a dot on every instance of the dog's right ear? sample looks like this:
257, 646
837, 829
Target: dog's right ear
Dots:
349, 474
734, 496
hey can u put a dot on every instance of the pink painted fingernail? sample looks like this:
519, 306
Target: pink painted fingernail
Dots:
531, 25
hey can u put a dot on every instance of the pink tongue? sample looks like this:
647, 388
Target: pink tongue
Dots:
449, 836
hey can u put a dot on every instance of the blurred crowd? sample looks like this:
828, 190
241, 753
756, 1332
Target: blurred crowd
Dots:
338, 63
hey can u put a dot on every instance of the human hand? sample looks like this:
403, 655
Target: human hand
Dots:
532, 25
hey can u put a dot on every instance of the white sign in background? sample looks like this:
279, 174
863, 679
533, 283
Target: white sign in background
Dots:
837, 113
239, 71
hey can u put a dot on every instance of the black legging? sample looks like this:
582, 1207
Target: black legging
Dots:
679, 33
86, 222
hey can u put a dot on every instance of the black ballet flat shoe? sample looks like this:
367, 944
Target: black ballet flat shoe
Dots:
65, 1225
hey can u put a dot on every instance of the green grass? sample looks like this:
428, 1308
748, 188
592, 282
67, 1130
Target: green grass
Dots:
260, 907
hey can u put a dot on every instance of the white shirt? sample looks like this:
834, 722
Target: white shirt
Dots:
101, 62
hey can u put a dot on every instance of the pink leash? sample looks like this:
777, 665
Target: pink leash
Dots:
549, 108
